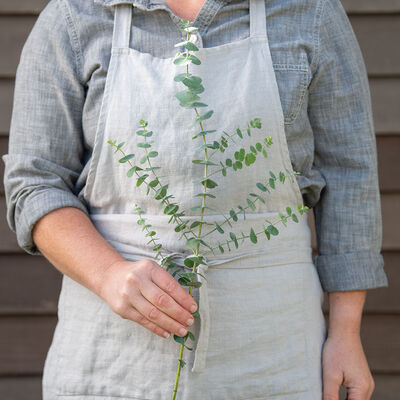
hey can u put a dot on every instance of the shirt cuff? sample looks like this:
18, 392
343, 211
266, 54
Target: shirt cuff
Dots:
351, 271
36, 206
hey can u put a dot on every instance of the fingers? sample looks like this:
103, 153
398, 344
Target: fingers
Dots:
167, 283
167, 304
154, 314
362, 391
132, 314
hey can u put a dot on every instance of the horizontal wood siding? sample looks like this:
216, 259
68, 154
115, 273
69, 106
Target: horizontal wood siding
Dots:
30, 285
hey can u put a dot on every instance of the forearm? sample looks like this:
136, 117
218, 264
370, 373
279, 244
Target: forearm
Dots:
345, 312
69, 240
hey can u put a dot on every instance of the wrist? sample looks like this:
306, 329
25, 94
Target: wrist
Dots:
104, 274
345, 313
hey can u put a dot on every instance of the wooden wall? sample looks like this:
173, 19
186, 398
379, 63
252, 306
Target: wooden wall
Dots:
29, 286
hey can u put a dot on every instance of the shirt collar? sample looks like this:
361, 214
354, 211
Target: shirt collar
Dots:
141, 3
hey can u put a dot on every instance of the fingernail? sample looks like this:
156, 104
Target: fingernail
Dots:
189, 321
182, 331
193, 308
166, 334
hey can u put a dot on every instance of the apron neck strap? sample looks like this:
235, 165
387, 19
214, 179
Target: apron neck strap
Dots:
122, 25
258, 24
123, 22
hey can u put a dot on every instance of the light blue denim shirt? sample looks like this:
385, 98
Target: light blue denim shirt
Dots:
323, 87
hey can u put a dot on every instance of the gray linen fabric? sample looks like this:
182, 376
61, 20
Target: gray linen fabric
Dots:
324, 93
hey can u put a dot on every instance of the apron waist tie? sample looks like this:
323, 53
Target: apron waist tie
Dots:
297, 237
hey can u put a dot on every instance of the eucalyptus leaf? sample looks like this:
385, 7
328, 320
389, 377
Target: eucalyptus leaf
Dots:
144, 145
234, 239
203, 162
194, 59
233, 215
272, 230
261, 186
126, 158
219, 229
251, 204
271, 183
253, 236
250, 159
203, 133
141, 179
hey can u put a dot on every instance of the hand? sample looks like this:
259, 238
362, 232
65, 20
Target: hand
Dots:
144, 292
344, 363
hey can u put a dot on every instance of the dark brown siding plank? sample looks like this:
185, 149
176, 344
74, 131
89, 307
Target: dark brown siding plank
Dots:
378, 39
381, 341
3, 150
21, 388
8, 242
371, 6
389, 162
29, 284
14, 31
385, 94
22, 6
24, 342
390, 210
6, 104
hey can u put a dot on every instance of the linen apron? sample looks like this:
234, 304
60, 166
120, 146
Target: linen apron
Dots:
261, 327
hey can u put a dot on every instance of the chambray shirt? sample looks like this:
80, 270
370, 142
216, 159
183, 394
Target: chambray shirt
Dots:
323, 88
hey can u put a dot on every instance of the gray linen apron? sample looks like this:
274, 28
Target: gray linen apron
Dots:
261, 326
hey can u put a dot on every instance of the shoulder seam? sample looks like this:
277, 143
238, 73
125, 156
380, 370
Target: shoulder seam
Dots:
74, 37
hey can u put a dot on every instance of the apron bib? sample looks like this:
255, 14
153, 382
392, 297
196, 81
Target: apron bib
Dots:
261, 326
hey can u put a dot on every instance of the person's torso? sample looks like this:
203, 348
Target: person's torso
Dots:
291, 29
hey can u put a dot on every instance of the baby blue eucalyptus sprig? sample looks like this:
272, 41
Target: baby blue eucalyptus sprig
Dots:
146, 175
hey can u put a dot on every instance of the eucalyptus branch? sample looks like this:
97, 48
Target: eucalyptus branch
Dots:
269, 230
223, 144
159, 193
173, 207
262, 187
189, 98
142, 221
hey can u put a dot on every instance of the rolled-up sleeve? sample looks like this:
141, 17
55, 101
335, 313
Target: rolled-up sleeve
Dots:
348, 214
46, 148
